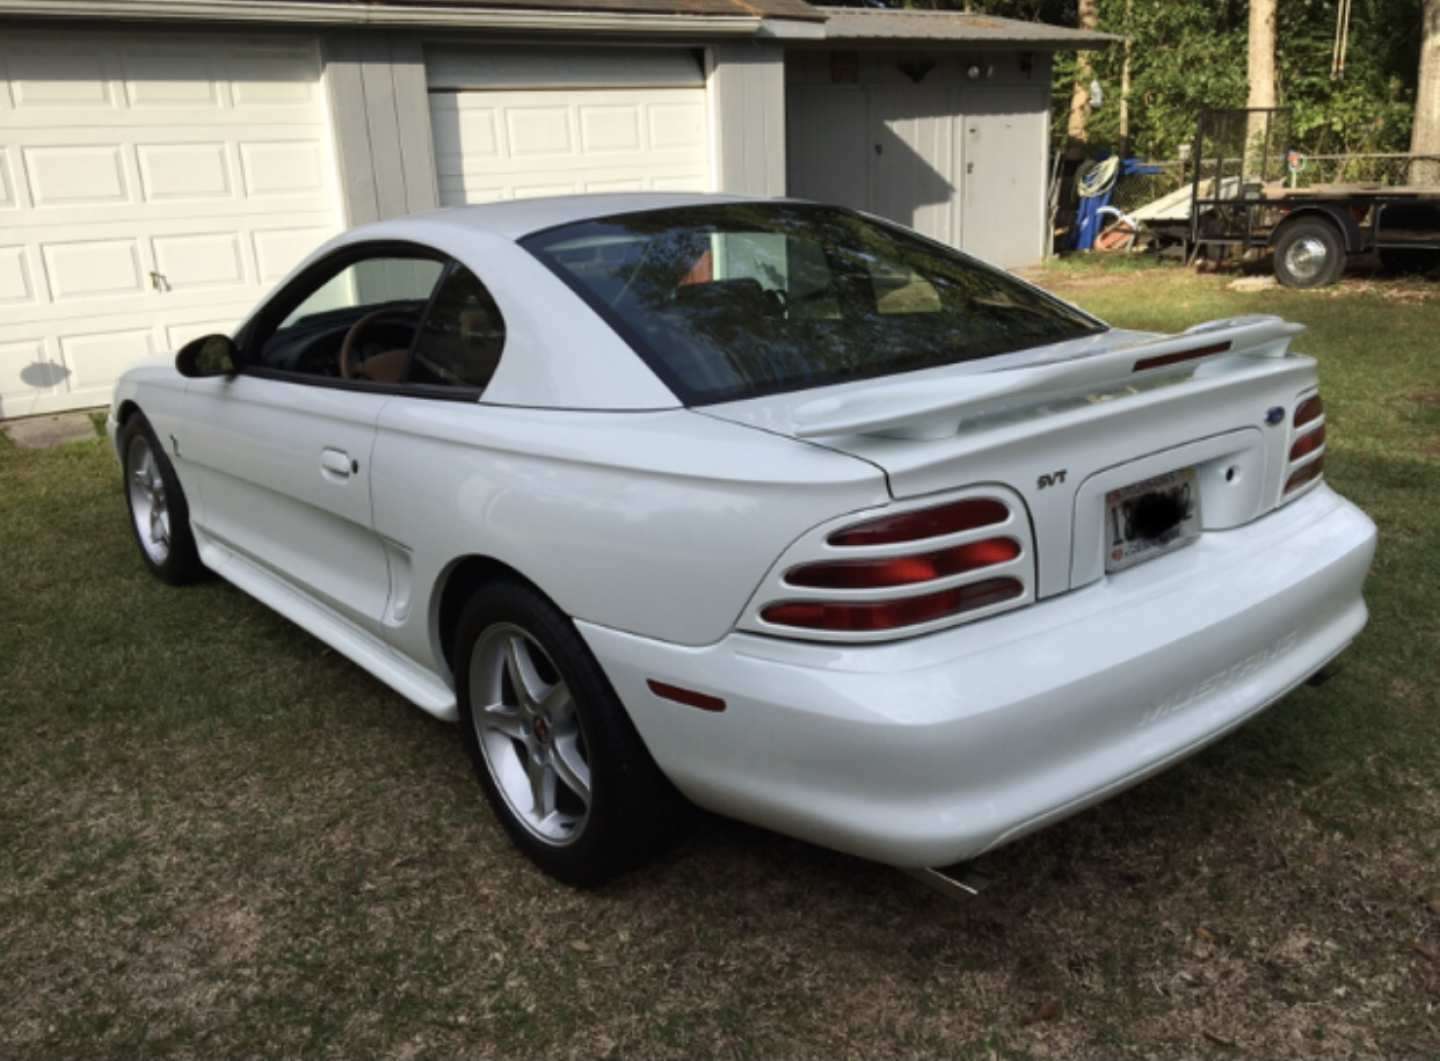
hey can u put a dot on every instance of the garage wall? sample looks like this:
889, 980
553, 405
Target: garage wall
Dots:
152, 188
747, 117
380, 111
913, 136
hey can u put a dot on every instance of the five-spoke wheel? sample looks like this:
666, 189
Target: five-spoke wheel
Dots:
529, 733
554, 749
159, 515
148, 507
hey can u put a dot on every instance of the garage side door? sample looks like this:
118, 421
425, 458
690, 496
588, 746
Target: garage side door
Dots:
1003, 190
524, 122
152, 188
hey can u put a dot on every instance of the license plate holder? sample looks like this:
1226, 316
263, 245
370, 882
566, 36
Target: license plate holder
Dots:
1150, 518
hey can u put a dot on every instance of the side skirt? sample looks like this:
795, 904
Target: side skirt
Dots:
422, 688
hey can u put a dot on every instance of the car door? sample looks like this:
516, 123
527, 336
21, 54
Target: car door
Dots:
284, 447
434, 452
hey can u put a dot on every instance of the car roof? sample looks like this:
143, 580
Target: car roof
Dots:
517, 218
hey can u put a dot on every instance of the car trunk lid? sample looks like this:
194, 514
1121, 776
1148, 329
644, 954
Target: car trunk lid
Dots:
1056, 423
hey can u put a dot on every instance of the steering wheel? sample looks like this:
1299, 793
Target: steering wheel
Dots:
352, 337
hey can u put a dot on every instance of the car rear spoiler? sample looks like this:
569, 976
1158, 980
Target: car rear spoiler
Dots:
935, 409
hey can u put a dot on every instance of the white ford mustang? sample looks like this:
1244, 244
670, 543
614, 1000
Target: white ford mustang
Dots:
827, 526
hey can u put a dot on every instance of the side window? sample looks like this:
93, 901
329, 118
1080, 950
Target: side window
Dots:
461, 338
369, 308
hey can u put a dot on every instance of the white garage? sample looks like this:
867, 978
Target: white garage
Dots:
152, 188
519, 122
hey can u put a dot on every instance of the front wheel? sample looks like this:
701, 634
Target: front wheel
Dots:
159, 514
557, 756
1309, 253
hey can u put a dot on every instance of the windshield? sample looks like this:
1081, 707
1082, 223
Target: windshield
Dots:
737, 300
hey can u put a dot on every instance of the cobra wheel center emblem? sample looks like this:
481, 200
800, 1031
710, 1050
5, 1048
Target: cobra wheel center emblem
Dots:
541, 729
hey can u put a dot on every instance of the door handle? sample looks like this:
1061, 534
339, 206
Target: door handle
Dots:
337, 463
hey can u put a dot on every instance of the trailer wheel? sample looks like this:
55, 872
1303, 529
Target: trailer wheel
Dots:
1309, 252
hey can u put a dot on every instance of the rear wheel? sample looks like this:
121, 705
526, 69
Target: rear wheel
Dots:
1309, 253
159, 515
557, 756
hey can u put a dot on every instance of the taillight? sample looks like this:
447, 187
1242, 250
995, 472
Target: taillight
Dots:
904, 570
926, 523
1312, 408
1307, 447
888, 615
1308, 444
1309, 473
913, 570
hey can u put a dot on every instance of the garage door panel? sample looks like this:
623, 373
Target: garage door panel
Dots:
278, 250
150, 185
94, 359
282, 168
503, 144
177, 335
47, 77
16, 285
676, 126
169, 78
24, 366
199, 260
192, 172
78, 175
91, 268
8, 200
607, 128
538, 129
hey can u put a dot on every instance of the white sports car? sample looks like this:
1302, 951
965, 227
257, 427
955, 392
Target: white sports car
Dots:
826, 526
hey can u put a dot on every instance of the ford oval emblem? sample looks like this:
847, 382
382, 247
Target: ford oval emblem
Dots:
1275, 414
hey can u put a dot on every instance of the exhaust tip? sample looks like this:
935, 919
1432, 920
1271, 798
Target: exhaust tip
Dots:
959, 881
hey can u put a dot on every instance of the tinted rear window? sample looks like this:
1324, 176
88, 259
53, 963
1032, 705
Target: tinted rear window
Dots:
737, 300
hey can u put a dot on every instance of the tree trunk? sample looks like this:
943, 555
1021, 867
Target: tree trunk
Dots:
1084, 74
1425, 133
1260, 68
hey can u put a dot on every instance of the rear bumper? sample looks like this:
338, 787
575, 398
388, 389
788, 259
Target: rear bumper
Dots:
929, 751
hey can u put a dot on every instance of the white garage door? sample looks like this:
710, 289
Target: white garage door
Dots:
152, 188
529, 121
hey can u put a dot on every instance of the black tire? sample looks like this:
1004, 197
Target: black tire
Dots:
632, 810
180, 563
1309, 252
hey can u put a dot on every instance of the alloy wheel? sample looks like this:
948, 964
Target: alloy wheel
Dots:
148, 505
529, 734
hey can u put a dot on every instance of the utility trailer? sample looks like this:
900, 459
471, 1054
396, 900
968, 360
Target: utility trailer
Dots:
1252, 190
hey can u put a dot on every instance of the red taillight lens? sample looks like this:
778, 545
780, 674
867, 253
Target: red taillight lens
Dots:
1305, 474
903, 570
1308, 410
926, 523
1307, 444
889, 615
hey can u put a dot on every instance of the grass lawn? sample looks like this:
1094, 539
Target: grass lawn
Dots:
218, 837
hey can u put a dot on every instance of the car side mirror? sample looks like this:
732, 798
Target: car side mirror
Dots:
209, 355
